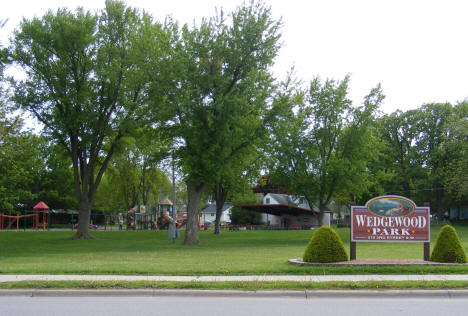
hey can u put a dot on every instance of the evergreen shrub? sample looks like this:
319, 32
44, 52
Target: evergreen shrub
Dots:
325, 246
448, 247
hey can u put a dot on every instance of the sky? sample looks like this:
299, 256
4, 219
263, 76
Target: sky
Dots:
417, 50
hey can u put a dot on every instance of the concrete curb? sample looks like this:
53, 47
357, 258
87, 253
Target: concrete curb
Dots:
151, 293
388, 293
230, 293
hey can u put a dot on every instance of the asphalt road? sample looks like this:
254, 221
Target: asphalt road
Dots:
238, 306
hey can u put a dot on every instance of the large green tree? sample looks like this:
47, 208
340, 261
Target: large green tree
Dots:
320, 146
85, 80
19, 162
421, 154
432, 127
456, 144
31, 168
220, 93
399, 158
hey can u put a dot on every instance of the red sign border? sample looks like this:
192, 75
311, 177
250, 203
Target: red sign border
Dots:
425, 208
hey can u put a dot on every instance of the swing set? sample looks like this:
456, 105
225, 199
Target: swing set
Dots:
10, 220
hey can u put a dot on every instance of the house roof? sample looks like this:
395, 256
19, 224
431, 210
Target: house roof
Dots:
288, 200
279, 209
282, 199
212, 208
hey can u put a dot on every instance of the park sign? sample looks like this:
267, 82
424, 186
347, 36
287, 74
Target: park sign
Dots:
390, 218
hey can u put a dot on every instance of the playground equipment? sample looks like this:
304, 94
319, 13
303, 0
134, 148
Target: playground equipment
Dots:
41, 206
12, 219
112, 219
163, 206
139, 219
144, 221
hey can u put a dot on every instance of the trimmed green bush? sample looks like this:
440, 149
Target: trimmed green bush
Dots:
448, 247
325, 246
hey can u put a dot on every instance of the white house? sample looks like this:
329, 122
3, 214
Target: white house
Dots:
209, 213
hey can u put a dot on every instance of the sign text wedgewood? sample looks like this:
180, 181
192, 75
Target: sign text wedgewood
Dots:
390, 218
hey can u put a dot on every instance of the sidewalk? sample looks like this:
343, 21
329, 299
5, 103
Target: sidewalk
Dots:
236, 278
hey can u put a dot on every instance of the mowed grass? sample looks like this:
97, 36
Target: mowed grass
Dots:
231, 253
237, 285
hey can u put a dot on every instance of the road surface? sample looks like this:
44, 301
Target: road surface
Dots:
233, 305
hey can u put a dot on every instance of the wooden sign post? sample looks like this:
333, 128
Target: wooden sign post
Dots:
352, 245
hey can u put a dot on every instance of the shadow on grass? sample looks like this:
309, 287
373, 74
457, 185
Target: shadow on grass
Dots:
29, 244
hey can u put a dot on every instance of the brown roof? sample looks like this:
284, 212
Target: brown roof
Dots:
166, 201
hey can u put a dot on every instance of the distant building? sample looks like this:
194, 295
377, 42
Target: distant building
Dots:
209, 213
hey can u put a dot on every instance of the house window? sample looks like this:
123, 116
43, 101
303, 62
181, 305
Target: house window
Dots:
267, 201
212, 214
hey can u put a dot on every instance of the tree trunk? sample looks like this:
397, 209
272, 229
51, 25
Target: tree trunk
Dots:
323, 209
83, 219
439, 206
194, 192
219, 211
220, 198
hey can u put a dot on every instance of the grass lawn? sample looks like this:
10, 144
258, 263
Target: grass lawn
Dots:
152, 253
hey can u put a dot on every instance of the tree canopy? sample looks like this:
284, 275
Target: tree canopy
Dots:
421, 155
85, 80
220, 94
116, 92
319, 147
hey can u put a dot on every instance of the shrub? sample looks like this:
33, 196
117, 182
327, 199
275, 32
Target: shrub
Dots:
325, 246
448, 247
